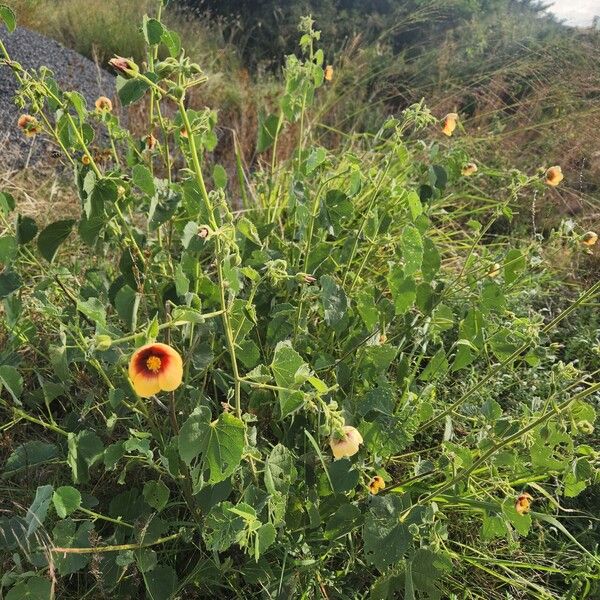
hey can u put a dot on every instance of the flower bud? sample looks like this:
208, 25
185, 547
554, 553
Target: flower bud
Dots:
305, 278
124, 65
103, 342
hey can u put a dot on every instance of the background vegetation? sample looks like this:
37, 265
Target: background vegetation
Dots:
385, 198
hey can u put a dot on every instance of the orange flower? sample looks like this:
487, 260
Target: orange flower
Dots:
346, 442
590, 238
449, 126
155, 367
469, 169
523, 503
376, 485
183, 132
495, 270
554, 176
328, 73
29, 125
103, 104
85, 159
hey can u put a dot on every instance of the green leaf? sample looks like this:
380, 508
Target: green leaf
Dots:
93, 309
85, 450
404, 290
248, 229
522, 523
220, 176
280, 471
436, 367
344, 520
267, 130
11, 381
412, 249
343, 476
142, 177
431, 259
414, 204
152, 30
290, 371
172, 41
38, 510
335, 302
29, 455
53, 236
8, 248
156, 494
367, 308
514, 263
386, 538
7, 16
427, 569
25, 229
161, 583
127, 303
35, 588
9, 282
66, 534
218, 444
130, 90
7, 203
222, 527
66, 499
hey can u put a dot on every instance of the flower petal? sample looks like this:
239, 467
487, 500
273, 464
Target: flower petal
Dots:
169, 377
145, 385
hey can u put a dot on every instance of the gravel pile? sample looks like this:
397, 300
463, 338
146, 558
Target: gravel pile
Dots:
71, 70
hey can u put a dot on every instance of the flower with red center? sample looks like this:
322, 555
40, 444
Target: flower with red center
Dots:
469, 169
345, 442
554, 176
29, 125
523, 503
589, 238
449, 125
328, 73
376, 485
155, 367
103, 104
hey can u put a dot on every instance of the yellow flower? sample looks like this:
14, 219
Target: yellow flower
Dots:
449, 126
328, 73
346, 442
554, 176
495, 270
155, 367
376, 485
85, 159
103, 104
469, 169
590, 238
29, 125
523, 503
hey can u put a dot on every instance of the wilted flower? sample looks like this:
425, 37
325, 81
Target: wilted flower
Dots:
523, 503
203, 232
150, 142
183, 132
85, 159
495, 270
125, 65
345, 442
305, 278
554, 176
376, 485
103, 104
589, 238
328, 72
469, 169
449, 126
29, 125
155, 367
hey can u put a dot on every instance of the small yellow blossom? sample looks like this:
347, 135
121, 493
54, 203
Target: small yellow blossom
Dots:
450, 121
589, 238
328, 73
346, 442
523, 503
495, 270
554, 176
376, 485
103, 104
469, 169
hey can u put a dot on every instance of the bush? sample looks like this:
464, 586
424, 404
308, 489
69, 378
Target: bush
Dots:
333, 408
